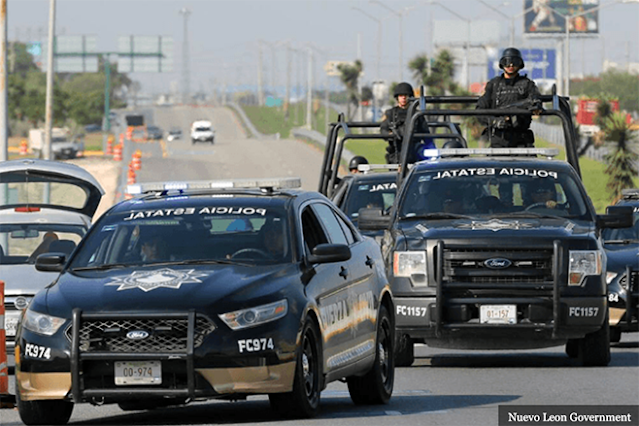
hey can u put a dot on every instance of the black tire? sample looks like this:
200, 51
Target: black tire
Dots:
572, 348
44, 412
594, 348
615, 334
376, 386
304, 400
405, 354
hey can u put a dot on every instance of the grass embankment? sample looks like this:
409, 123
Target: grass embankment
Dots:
592, 172
271, 120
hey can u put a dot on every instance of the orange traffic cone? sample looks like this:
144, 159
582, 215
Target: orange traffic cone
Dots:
23, 147
109, 145
6, 400
137, 160
131, 175
117, 152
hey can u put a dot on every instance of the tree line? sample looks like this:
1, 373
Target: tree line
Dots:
78, 98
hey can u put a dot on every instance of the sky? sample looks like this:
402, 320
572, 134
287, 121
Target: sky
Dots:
224, 36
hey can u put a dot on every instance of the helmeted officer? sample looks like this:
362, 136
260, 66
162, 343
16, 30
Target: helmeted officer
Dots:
355, 162
502, 91
393, 122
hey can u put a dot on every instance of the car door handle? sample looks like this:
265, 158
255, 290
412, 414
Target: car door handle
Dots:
343, 273
369, 262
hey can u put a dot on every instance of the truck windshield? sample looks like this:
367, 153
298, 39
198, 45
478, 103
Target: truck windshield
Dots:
494, 191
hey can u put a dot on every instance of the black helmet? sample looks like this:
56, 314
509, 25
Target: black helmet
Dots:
453, 144
403, 88
356, 161
511, 56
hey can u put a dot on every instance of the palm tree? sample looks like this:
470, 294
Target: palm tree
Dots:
622, 160
349, 75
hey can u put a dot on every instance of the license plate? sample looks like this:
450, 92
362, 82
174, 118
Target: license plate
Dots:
138, 373
498, 314
11, 322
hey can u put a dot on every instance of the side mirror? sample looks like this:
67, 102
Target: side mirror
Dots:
328, 253
372, 219
616, 217
50, 262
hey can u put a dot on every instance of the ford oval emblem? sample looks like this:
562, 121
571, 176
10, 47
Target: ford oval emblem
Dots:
137, 335
497, 263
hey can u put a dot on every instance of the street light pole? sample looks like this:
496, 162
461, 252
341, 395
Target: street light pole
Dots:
379, 51
400, 14
467, 43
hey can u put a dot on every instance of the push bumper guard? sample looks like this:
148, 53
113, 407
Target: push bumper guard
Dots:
78, 357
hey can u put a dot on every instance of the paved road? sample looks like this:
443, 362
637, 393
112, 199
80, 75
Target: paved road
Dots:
233, 155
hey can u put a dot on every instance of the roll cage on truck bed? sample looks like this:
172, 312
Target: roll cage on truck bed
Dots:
458, 253
435, 120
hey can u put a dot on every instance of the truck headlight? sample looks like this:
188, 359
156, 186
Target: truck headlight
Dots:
41, 323
251, 317
582, 264
409, 263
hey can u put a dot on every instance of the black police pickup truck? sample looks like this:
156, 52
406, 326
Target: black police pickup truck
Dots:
497, 249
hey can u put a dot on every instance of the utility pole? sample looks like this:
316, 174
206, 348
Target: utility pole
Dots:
309, 92
4, 103
186, 78
287, 96
260, 84
48, 109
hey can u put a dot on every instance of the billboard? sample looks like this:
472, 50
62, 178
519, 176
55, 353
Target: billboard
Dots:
145, 53
581, 15
540, 64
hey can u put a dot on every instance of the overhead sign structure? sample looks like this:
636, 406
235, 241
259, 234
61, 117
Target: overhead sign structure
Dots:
541, 64
541, 19
72, 54
145, 54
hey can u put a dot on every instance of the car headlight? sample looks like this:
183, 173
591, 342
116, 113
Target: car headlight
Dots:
582, 264
41, 323
251, 317
409, 263
610, 276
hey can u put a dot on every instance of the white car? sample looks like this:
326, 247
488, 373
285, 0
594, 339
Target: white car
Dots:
202, 131
31, 224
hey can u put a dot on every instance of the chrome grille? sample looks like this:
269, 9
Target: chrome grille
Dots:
165, 335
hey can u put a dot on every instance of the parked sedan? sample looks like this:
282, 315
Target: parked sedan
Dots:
31, 225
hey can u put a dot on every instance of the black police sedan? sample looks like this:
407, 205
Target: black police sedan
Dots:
622, 270
209, 290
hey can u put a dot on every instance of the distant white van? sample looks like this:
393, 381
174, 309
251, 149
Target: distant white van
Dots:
202, 131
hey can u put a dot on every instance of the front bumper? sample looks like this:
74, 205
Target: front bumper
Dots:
624, 301
203, 367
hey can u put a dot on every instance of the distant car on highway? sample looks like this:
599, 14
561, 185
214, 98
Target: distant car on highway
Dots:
174, 134
154, 132
92, 128
202, 131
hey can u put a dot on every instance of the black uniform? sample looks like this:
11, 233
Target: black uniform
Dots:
501, 92
392, 124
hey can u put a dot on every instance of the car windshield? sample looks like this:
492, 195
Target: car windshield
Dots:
376, 194
22, 243
230, 232
202, 129
498, 191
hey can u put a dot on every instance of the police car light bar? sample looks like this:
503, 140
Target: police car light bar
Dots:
370, 167
272, 183
456, 152
630, 193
